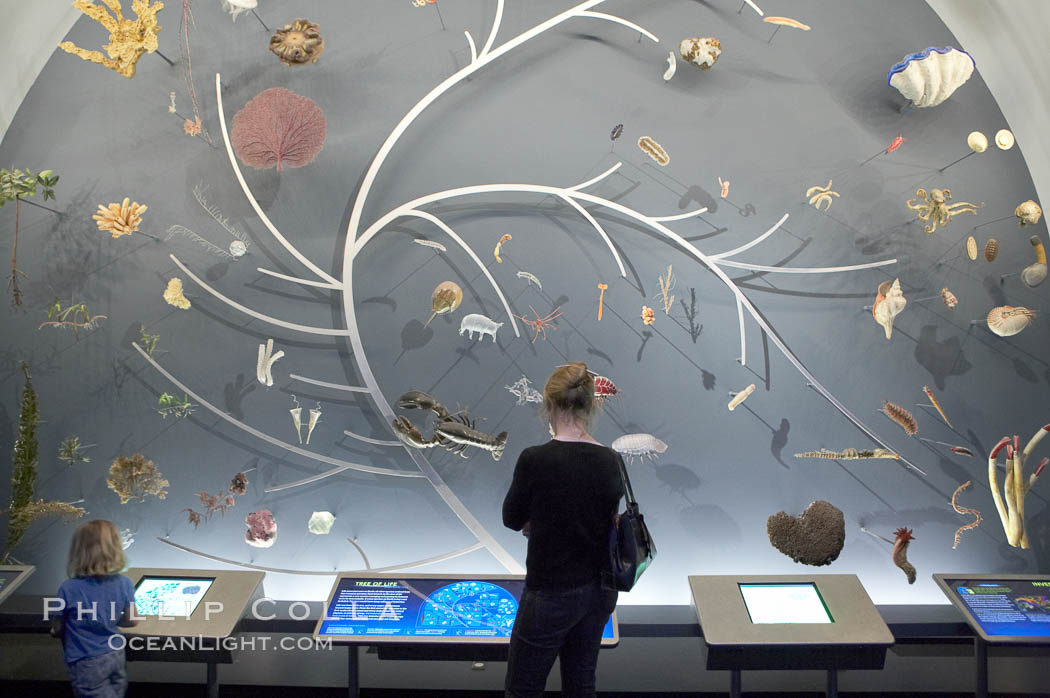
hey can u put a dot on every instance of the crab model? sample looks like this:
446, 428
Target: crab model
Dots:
935, 209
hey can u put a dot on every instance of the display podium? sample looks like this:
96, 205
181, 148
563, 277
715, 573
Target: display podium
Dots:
426, 617
763, 622
185, 614
1006, 610
11, 577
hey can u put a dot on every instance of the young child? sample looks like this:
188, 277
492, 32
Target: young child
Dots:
97, 600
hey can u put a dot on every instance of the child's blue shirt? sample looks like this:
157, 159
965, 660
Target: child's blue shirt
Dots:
94, 606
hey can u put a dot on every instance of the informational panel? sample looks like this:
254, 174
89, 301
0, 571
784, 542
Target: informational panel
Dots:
785, 603
181, 603
449, 609
11, 577
1002, 608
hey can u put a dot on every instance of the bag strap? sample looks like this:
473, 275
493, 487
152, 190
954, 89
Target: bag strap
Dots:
626, 480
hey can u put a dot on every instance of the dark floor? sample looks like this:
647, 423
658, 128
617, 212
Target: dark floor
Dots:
56, 689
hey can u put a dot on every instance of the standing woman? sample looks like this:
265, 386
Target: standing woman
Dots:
564, 497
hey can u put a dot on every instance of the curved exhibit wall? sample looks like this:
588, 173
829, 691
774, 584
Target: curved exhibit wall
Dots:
775, 116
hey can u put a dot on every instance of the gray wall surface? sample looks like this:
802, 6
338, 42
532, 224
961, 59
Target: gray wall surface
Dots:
773, 117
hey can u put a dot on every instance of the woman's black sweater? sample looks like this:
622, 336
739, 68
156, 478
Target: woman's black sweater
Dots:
568, 492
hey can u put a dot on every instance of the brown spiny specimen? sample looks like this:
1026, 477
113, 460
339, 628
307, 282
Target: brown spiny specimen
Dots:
901, 416
297, 43
936, 404
903, 536
128, 39
120, 219
964, 510
134, 477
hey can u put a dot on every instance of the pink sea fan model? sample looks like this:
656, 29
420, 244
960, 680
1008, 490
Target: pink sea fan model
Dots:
278, 127
262, 529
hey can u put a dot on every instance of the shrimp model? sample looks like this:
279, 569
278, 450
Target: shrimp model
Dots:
902, 537
1011, 513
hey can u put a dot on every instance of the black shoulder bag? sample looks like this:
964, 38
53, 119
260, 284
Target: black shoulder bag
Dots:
631, 548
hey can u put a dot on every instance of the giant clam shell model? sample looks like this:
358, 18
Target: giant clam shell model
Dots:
1006, 320
888, 305
701, 51
929, 77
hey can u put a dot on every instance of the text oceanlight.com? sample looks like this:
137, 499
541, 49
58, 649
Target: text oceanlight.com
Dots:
197, 643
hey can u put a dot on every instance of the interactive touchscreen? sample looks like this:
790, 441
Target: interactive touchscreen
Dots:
462, 610
784, 603
170, 596
1007, 608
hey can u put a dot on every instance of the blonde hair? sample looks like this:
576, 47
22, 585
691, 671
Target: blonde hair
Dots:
570, 392
96, 550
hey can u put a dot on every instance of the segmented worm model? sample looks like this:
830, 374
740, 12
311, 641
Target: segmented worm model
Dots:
849, 454
936, 405
901, 416
903, 536
654, 150
430, 243
963, 510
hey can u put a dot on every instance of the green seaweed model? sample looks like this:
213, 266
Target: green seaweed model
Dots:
16, 185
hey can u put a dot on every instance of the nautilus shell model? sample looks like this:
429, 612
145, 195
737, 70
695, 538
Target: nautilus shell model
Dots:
1006, 320
929, 77
1028, 213
889, 303
1035, 274
701, 51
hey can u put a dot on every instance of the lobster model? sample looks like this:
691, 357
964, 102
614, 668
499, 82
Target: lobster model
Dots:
453, 432
1016, 487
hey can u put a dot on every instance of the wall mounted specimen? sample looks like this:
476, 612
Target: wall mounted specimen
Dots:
723, 184
936, 404
15, 185
1035, 274
298, 43
701, 51
278, 127
120, 219
1004, 139
654, 150
850, 454
950, 301
297, 418
431, 244
935, 209
1028, 213
1015, 487
530, 278
73, 317
672, 66
458, 433
265, 362
237, 248
648, 315
903, 536
977, 141
238, 485
814, 538
738, 398
173, 294
930, 76
314, 418
475, 322
787, 22
889, 303
239, 245
634, 446
902, 417
616, 132
963, 510
71, 451
262, 529
446, 298
971, 248
134, 477
238, 7
539, 325
212, 504
666, 284
602, 288
821, 195
128, 39
499, 245
991, 249
170, 405
148, 341
604, 388
1007, 320
320, 523
523, 390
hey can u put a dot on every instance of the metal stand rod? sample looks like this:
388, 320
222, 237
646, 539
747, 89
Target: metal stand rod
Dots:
993, 221
833, 683
166, 59
774, 34
440, 18
48, 208
953, 162
734, 683
742, 6
980, 651
260, 20
1004, 277
353, 676
213, 680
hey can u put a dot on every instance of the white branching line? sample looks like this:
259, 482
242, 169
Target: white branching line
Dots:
681, 216
748, 246
370, 440
473, 48
595, 180
255, 204
326, 384
495, 28
743, 334
597, 226
254, 313
343, 465
620, 20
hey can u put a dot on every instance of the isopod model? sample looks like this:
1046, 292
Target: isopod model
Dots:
971, 248
654, 150
603, 388
1006, 320
479, 323
1035, 274
991, 249
950, 301
639, 445
740, 397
